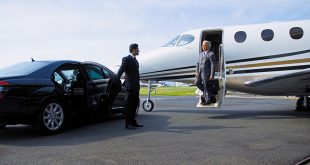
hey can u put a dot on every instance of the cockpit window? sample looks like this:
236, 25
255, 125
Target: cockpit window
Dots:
186, 39
173, 41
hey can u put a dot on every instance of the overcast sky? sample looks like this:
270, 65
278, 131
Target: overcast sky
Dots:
101, 30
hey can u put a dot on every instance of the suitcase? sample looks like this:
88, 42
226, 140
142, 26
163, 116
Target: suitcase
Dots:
212, 86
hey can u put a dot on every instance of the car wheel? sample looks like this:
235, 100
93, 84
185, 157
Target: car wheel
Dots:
51, 117
2, 125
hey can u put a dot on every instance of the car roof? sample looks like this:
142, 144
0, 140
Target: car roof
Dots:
46, 71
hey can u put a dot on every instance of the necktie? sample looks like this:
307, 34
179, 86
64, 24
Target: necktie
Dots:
136, 61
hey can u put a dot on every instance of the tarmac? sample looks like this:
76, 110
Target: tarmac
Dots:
246, 130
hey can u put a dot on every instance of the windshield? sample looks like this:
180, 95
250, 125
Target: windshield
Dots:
186, 39
173, 41
21, 69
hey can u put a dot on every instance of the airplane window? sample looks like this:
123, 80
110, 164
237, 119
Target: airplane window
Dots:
296, 33
186, 39
240, 36
172, 42
267, 35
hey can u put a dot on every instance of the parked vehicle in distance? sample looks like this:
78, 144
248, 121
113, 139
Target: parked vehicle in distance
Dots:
48, 94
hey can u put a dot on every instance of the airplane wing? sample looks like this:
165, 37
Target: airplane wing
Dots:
296, 81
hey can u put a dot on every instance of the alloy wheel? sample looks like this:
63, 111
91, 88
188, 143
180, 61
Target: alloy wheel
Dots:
53, 116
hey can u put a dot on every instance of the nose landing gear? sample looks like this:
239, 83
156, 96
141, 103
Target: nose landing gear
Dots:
148, 104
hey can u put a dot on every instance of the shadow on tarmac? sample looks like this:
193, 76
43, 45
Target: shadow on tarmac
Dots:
113, 127
247, 114
89, 132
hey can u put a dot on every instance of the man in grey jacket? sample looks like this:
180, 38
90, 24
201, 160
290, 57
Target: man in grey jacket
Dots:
205, 72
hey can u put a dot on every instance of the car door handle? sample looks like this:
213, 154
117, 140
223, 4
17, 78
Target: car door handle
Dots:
91, 84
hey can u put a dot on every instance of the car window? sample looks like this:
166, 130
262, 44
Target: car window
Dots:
70, 74
58, 79
94, 72
68, 77
22, 68
106, 74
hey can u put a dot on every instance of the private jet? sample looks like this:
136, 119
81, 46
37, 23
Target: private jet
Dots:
265, 59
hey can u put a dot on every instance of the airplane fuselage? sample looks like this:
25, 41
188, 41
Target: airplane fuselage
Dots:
244, 53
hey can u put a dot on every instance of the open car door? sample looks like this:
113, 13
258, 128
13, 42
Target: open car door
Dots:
98, 87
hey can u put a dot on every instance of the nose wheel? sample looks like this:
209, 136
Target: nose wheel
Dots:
148, 104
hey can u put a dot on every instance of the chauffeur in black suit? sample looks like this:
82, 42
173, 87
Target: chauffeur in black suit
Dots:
130, 66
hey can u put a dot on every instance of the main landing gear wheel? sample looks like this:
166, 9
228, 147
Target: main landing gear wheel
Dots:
303, 103
148, 105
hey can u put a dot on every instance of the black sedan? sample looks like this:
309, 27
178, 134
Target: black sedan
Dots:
48, 94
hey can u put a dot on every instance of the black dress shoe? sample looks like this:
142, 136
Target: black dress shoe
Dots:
208, 102
130, 127
137, 125
203, 99
213, 99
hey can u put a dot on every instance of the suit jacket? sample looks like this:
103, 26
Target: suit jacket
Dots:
131, 68
206, 64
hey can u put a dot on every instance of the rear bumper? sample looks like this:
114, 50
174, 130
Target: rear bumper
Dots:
13, 112
16, 118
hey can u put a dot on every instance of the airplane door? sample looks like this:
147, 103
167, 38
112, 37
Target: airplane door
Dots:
218, 85
221, 79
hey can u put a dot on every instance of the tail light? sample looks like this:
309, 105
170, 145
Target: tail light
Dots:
3, 83
3, 89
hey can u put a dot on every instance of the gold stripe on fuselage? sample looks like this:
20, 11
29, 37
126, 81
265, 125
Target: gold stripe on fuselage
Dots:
304, 60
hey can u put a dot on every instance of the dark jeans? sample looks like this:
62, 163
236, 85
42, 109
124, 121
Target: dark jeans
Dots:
131, 103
